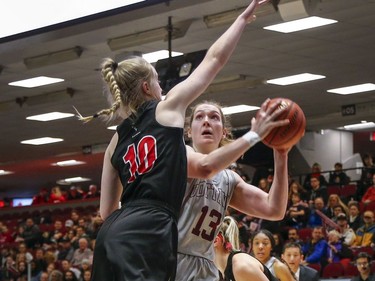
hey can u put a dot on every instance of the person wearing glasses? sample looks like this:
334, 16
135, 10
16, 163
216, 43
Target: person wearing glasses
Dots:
363, 261
365, 234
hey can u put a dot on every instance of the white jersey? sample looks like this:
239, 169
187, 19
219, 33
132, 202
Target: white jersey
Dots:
203, 210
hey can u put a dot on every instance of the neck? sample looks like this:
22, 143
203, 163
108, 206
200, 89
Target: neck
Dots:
221, 259
365, 275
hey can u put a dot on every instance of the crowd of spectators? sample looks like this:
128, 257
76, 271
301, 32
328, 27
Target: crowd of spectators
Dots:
328, 227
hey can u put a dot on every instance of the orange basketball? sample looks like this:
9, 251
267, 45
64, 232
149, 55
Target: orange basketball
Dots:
289, 135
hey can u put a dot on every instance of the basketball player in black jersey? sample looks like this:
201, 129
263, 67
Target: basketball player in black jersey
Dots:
233, 264
145, 165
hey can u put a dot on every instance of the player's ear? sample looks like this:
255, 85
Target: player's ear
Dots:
188, 132
146, 88
225, 132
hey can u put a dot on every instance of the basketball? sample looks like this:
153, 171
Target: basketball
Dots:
289, 135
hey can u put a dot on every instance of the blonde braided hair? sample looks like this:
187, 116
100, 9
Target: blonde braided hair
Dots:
124, 81
230, 232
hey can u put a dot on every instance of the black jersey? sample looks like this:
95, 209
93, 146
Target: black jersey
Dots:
229, 270
151, 159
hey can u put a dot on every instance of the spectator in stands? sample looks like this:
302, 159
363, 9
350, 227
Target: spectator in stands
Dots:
334, 247
68, 225
9, 270
368, 171
56, 195
57, 233
297, 214
74, 216
22, 271
93, 192
295, 187
50, 267
73, 193
41, 198
316, 173
314, 218
317, 190
333, 201
94, 225
369, 195
293, 256
67, 266
293, 236
363, 261
347, 234
264, 185
66, 250
40, 263
279, 244
70, 276
43, 276
355, 219
80, 233
365, 233
338, 176
86, 275
56, 275
338, 209
85, 266
5, 235
83, 252
315, 250
31, 234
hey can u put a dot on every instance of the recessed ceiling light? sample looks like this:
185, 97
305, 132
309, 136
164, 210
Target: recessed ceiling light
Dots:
68, 163
50, 116
294, 79
359, 126
3, 172
40, 141
300, 24
159, 55
238, 109
353, 89
36, 82
113, 128
72, 180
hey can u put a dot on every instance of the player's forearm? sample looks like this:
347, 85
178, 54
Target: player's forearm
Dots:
222, 157
278, 195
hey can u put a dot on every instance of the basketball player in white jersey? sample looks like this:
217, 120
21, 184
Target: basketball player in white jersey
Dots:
212, 188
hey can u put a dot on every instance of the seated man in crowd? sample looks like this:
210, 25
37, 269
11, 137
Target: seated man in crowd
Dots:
363, 261
365, 233
315, 250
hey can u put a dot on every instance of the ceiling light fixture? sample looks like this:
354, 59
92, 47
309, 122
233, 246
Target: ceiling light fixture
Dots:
36, 82
148, 36
40, 141
359, 126
53, 58
300, 24
3, 172
113, 128
68, 181
227, 17
294, 79
355, 89
67, 163
238, 109
159, 55
50, 116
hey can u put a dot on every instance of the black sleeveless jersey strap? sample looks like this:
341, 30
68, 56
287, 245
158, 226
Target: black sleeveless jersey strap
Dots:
229, 269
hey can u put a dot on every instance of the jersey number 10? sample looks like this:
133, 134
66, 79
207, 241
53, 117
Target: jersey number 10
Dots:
141, 158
